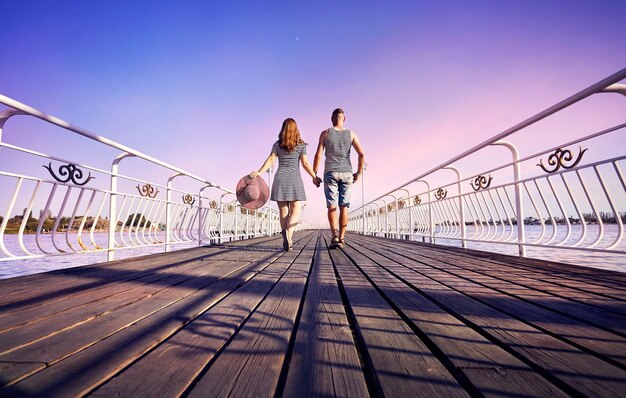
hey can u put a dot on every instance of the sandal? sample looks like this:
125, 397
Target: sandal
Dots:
334, 243
341, 244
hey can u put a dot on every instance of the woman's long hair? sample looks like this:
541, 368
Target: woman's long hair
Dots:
289, 136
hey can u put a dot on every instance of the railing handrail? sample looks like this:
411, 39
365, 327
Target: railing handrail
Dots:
28, 110
594, 88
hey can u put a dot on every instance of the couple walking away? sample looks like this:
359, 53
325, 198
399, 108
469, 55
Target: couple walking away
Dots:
288, 188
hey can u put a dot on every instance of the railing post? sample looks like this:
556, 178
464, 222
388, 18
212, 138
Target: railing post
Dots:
168, 212
200, 218
269, 221
397, 222
377, 220
168, 215
363, 194
461, 209
367, 226
112, 213
247, 223
221, 221
113, 204
408, 198
430, 214
386, 233
431, 221
397, 231
521, 235
236, 221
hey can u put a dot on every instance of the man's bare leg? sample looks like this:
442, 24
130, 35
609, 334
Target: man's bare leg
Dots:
333, 221
343, 222
294, 217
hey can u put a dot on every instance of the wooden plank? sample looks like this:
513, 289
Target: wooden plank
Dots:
601, 276
536, 308
79, 277
12, 319
490, 369
404, 365
252, 362
606, 298
325, 361
24, 310
56, 347
93, 365
561, 276
563, 363
23, 288
193, 347
602, 311
13, 339
599, 311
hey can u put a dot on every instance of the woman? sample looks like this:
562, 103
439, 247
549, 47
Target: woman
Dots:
288, 189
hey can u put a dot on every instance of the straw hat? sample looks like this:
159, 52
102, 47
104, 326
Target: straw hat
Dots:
252, 193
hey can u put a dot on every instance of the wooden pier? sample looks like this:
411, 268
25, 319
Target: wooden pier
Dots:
380, 317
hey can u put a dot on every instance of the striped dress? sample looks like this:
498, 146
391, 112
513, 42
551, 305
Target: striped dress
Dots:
288, 185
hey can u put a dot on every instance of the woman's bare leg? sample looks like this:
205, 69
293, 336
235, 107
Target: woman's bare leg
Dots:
283, 210
294, 217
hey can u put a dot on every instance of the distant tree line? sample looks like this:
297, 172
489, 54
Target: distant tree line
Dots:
13, 224
607, 218
590, 218
135, 220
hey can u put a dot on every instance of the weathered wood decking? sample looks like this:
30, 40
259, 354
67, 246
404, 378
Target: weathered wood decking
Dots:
380, 317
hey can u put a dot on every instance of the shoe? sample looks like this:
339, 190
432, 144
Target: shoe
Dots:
341, 244
285, 242
334, 243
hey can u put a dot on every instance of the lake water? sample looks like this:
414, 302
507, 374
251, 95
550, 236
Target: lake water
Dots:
9, 269
610, 261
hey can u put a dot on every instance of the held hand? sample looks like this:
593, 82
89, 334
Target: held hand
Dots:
317, 181
253, 174
355, 177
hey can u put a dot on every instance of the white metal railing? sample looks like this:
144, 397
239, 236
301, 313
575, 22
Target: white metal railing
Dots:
569, 196
76, 215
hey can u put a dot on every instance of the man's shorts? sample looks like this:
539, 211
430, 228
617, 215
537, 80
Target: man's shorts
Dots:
337, 188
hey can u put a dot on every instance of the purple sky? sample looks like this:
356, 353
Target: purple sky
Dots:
205, 85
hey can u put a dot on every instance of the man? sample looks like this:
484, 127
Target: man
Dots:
337, 142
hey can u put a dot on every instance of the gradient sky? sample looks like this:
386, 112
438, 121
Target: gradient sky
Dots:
205, 85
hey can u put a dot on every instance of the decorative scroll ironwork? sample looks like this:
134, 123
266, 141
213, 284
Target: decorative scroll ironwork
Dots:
213, 204
417, 200
231, 208
147, 190
188, 199
69, 172
559, 157
401, 204
481, 182
381, 210
441, 194
389, 208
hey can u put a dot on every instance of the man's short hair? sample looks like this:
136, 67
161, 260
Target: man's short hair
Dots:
336, 112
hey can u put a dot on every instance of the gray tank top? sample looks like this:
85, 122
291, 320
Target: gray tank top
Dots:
338, 145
